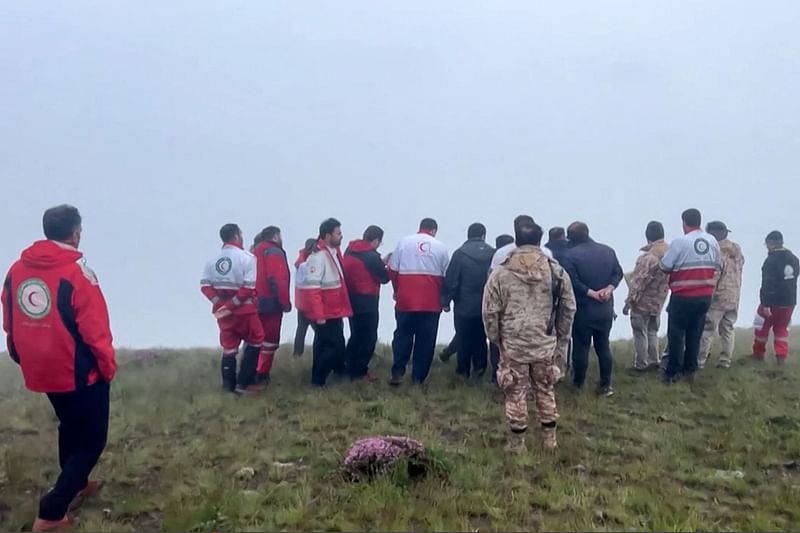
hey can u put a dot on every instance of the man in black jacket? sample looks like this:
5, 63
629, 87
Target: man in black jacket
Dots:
463, 284
595, 273
557, 243
778, 298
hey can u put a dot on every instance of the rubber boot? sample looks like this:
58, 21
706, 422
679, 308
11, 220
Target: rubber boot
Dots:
229, 372
247, 370
515, 444
549, 441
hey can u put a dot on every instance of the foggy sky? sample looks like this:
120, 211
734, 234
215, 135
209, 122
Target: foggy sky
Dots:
163, 120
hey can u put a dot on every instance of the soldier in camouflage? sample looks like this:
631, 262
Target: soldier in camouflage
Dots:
528, 307
721, 317
648, 287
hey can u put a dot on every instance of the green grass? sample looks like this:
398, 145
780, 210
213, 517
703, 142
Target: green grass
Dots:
642, 460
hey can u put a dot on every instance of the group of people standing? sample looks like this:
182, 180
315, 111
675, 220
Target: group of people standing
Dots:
530, 302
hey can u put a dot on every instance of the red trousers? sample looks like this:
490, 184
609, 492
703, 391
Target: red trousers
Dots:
235, 329
778, 322
271, 324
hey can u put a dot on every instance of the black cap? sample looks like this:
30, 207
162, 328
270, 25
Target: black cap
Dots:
716, 225
775, 236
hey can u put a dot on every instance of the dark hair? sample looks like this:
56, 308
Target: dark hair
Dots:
373, 233
775, 236
228, 232
310, 243
476, 231
528, 234
654, 231
328, 227
503, 240
556, 234
578, 232
257, 240
428, 224
269, 233
523, 219
60, 222
692, 218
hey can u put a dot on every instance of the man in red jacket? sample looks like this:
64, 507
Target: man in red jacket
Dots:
272, 292
364, 273
321, 295
57, 329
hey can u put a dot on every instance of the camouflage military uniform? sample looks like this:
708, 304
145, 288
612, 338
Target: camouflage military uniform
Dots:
517, 306
648, 287
721, 317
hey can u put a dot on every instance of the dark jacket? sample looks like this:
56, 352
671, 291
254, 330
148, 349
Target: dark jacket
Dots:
466, 276
592, 266
364, 273
559, 248
779, 279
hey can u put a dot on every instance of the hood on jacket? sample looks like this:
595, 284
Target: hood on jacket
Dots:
478, 250
658, 248
359, 245
49, 254
527, 263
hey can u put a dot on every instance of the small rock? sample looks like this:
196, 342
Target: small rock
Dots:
728, 474
579, 468
600, 516
246, 473
791, 465
107, 513
662, 418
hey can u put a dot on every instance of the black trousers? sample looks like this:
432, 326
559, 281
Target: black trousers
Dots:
362, 342
415, 334
329, 350
82, 434
687, 317
300, 333
471, 347
584, 332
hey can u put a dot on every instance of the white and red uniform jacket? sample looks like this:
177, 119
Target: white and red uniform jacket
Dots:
417, 268
320, 290
229, 280
692, 261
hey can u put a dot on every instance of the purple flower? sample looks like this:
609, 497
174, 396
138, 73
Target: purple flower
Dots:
375, 455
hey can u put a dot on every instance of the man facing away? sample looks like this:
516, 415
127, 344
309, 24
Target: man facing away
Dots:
229, 283
595, 273
272, 293
528, 305
417, 268
321, 295
778, 298
502, 252
647, 291
557, 243
463, 284
57, 329
364, 273
692, 261
724, 310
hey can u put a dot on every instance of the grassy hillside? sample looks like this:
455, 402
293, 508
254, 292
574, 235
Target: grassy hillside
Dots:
651, 457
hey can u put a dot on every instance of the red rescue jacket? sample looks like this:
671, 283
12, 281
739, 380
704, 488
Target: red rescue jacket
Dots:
320, 291
272, 278
364, 273
56, 320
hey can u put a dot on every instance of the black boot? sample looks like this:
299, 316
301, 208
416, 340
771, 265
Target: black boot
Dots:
247, 370
229, 372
